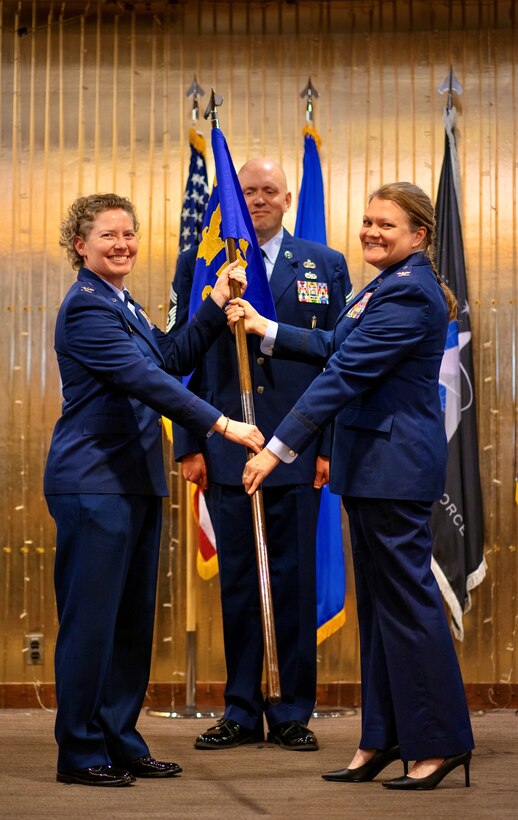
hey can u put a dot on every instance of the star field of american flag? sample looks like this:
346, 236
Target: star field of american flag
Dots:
196, 195
194, 206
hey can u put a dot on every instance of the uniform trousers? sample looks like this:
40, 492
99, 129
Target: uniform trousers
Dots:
412, 690
106, 565
291, 514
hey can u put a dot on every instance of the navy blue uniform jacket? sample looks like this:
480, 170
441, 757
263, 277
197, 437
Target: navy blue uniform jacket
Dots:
276, 384
380, 386
115, 390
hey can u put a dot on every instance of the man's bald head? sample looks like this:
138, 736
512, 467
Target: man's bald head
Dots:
265, 189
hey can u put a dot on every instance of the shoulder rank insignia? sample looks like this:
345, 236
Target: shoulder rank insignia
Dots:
87, 289
358, 308
308, 264
403, 273
308, 275
146, 317
288, 254
315, 293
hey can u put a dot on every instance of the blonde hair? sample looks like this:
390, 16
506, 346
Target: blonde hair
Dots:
421, 214
81, 216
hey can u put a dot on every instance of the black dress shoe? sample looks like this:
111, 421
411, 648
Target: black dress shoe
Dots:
433, 780
293, 735
97, 776
369, 770
226, 734
147, 766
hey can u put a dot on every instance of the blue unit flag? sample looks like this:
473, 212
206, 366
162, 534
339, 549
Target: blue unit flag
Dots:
227, 217
311, 224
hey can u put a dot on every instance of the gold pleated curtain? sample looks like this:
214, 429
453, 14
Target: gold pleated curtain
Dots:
93, 99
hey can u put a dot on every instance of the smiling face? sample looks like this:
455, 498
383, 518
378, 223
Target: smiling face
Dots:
110, 249
386, 235
264, 187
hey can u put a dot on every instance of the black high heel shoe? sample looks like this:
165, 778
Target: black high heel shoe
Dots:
369, 770
433, 780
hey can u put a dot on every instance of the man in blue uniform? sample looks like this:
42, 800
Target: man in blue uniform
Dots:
309, 284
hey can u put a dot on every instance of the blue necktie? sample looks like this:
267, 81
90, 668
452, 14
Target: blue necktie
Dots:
128, 299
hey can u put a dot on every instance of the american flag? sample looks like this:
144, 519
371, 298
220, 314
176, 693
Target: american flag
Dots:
194, 206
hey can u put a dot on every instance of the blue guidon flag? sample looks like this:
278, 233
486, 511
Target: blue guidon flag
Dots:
227, 217
330, 572
457, 518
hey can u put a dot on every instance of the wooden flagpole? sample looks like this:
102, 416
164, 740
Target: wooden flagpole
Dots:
247, 404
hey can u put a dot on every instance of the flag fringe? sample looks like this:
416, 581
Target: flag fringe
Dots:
168, 428
311, 131
207, 569
197, 141
472, 580
329, 627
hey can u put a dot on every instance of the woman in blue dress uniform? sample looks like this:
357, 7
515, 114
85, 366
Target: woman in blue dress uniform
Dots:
104, 482
388, 462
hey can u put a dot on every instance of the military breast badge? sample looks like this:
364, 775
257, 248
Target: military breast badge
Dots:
316, 293
358, 308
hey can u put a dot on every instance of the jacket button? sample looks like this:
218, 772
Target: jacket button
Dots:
293, 453
260, 360
260, 389
159, 422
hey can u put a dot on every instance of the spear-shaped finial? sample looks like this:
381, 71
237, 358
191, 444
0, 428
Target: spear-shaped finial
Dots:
450, 84
195, 91
309, 91
212, 109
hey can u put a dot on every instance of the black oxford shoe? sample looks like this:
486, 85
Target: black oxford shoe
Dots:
226, 734
147, 766
293, 735
97, 776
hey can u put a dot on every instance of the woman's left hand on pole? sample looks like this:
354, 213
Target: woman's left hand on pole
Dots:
221, 290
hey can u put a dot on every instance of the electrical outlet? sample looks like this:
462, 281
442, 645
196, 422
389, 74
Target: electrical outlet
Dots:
33, 649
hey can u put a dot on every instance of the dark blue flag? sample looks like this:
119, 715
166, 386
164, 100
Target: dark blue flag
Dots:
311, 216
227, 217
457, 519
311, 224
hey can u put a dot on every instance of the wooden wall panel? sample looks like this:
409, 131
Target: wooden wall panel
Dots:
92, 97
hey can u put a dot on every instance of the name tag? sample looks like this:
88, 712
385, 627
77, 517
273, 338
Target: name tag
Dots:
316, 293
358, 308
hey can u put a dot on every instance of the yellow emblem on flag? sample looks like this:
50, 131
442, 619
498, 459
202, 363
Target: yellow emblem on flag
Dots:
211, 243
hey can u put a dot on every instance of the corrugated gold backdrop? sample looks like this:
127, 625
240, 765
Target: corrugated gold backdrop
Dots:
93, 98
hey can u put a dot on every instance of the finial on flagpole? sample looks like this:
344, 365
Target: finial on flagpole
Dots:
450, 84
195, 91
309, 91
212, 109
